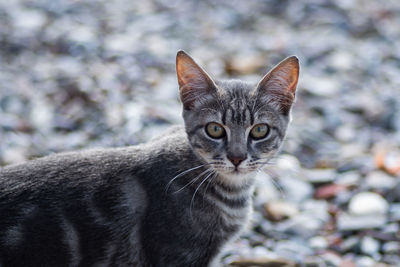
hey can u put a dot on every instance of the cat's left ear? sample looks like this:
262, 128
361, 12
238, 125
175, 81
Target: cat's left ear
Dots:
278, 87
195, 84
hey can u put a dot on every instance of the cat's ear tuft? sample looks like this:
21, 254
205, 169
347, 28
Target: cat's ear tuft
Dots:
279, 85
194, 83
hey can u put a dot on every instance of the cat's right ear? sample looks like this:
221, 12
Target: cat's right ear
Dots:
195, 84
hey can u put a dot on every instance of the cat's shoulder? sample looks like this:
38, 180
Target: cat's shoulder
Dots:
168, 142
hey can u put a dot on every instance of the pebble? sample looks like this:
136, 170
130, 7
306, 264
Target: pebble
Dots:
280, 210
349, 178
318, 242
365, 203
348, 222
349, 244
392, 247
292, 250
379, 180
301, 225
296, 190
394, 212
369, 245
365, 261
318, 176
329, 191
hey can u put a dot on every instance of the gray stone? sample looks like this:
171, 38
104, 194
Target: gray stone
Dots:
320, 175
296, 190
301, 225
318, 242
394, 212
347, 222
392, 247
369, 245
292, 250
380, 180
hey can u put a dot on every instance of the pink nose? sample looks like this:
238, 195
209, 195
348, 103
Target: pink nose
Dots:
236, 160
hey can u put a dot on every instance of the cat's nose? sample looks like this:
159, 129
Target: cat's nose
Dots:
236, 160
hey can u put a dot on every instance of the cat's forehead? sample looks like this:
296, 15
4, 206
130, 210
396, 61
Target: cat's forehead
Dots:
236, 104
235, 94
235, 88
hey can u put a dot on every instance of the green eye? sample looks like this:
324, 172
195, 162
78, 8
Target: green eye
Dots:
259, 131
215, 130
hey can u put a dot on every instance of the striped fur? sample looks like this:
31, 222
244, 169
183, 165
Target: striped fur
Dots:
175, 201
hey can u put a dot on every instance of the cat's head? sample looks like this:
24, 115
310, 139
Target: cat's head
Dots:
236, 127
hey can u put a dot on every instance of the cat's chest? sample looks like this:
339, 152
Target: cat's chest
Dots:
226, 214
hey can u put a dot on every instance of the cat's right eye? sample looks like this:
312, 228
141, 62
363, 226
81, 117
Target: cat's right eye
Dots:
259, 131
215, 130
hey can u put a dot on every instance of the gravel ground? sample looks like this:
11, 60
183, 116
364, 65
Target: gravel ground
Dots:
80, 74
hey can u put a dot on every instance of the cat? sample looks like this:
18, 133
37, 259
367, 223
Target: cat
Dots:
174, 201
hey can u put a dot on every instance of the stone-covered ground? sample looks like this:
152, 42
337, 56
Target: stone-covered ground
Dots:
80, 74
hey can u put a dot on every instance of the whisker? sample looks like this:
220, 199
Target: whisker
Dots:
180, 174
198, 187
192, 181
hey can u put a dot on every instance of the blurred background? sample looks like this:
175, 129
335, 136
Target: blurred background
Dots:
81, 74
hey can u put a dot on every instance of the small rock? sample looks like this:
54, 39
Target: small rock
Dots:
365, 261
280, 210
266, 189
318, 176
392, 247
331, 258
394, 212
320, 85
302, 225
289, 249
313, 261
318, 242
379, 180
246, 63
296, 190
318, 209
349, 244
369, 245
368, 203
345, 133
329, 191
288, 162
347, 263
391, 228
349, 222
348, 178
263, 262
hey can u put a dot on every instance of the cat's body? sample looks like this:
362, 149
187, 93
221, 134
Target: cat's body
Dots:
175, 201
92, 208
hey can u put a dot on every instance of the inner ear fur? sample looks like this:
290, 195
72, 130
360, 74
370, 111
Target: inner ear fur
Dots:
194, 83
278, 86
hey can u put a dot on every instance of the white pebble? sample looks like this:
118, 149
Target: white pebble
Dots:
368, 203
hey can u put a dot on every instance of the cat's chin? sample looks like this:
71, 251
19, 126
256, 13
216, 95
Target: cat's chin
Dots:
236, 177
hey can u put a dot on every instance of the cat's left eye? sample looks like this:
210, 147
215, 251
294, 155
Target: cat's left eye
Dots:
259, 131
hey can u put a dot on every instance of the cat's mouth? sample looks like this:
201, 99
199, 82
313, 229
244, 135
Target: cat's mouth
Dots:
238, 170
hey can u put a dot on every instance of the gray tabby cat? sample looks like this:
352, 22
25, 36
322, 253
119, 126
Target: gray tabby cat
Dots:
175, 201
